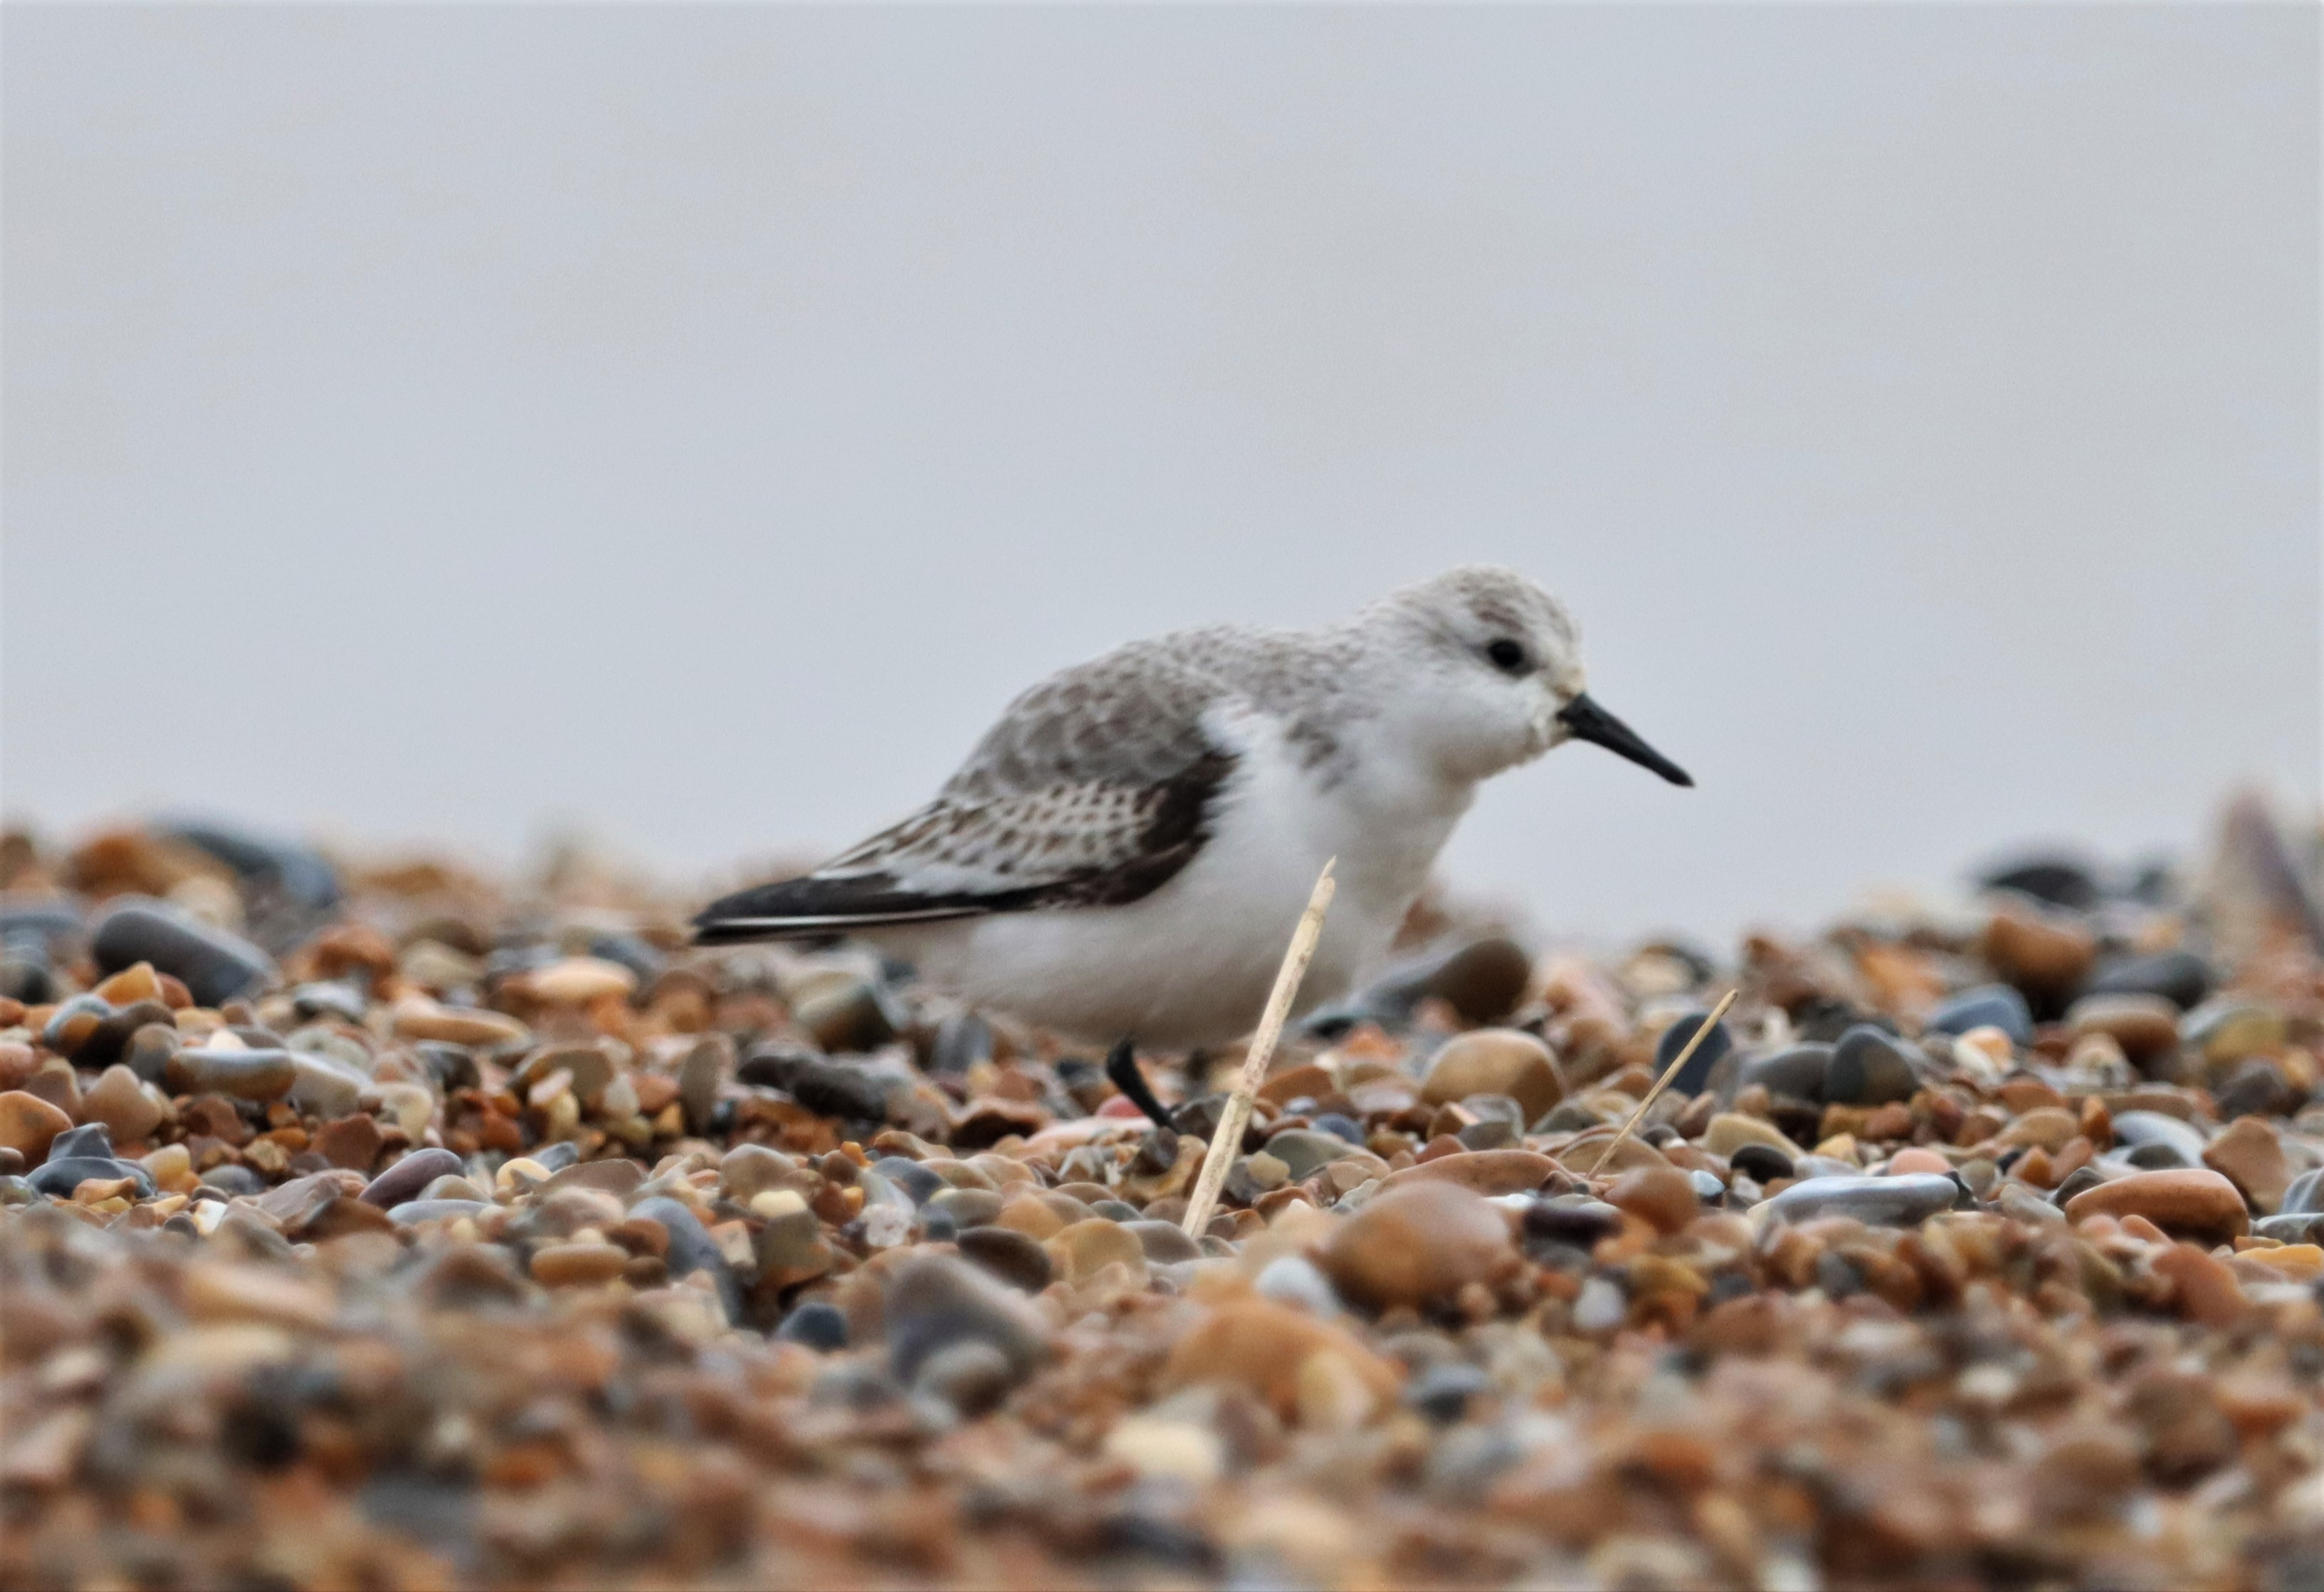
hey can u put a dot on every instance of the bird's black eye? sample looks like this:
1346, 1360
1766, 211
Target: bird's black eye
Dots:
1507, 656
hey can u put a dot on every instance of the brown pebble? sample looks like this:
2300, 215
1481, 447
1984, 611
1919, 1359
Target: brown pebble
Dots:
1420, 1241
27, 1124
2183, 1203
1660, 1196
1480, 1172
2207, 1290
352, 1142
1495, 1061
1086, 1248
2251, 1156
1262, 1346
562, 1266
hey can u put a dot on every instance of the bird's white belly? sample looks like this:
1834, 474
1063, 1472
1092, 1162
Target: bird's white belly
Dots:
1192, 963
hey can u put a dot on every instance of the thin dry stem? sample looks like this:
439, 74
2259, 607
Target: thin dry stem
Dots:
1663, 1083
1262, 1050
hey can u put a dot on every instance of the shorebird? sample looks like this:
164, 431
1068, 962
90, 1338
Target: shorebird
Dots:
1123, 856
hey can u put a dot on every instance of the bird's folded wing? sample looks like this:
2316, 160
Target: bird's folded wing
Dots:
1093, 789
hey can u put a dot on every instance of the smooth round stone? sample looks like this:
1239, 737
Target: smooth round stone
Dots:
571, 1265
2179, 976
1303, 1151
2146, 1026
244, 1075
124, 1104
1761, 1162
2038, 953
690, 1248
936, 1301
747, 1168
1086, 1248
1575, 1219
1483, 980
1012, 1256
1480, 1171
2228, 1030
453, 1067
2198, 1204
1419, 1242
233, 1180
576, 981
2252, 1158
472, 1026
148, 1052
1729, 1130
60, 1175
413, 1212
1896, 1201
2054, 881
213, 965
1663, 1197
28, 1125
2050, 1127
1495, 1061
970, 1378
1914, 1160
699, 1077
322, 1086
1331, 1122
1988, 1005
71, 1023
850, 1017
409, 1177
2141, 1129
1868, 1068
453, 1187
817, 1324
1165, 1243
1707, 1055
554, 1158
1797, 1073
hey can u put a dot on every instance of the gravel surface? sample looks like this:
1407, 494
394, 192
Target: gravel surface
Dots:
402, 1228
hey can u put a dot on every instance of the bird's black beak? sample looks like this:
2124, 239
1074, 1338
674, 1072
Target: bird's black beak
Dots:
1587, 721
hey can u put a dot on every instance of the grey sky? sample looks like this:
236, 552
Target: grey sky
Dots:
694, 425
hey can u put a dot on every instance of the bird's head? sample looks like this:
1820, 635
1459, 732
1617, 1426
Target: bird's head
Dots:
1493, 664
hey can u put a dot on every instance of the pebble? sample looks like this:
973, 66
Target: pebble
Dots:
2251, 1156
2179, 976
1413, 1244
2146, 1026
815, 1324
578, 981
1302, 1150
2197, 1204
1796, 1071
1661, 1196
1868, 1068
1989, 1005
1263, 1347
1012, 1256
410, 1176
1692, 1077
1890, 1201
243, 1075
28, 1124
936, 1303
214, 966
1481, 1172
1729, 1132
1081, 1250
1495, 1061
124, 1104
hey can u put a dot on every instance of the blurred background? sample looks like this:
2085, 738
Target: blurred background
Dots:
687, 428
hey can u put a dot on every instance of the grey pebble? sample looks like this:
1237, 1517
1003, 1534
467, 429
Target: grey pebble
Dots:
1902, 1201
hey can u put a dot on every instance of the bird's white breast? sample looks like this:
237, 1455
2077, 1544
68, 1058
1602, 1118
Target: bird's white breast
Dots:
1192, 963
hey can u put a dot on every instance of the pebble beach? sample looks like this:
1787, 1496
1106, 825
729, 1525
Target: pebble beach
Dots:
397, 1225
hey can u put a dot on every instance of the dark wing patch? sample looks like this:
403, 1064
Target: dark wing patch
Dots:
1085, 845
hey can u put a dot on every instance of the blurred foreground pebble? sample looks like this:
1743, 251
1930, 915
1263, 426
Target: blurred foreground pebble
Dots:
395, 1228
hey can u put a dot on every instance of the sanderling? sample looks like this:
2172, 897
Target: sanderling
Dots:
1125, 852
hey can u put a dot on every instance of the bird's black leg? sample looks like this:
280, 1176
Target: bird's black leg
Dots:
1121, 1067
